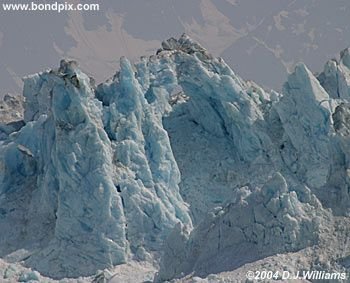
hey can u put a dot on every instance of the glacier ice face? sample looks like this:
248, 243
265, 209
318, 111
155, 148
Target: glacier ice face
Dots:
248, 134
149, 175
105, 177
219, 127
301, 133
72, 177
81, 159
218, 98
97, 176
313, 142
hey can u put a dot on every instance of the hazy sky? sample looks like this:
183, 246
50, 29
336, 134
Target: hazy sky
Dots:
260, 39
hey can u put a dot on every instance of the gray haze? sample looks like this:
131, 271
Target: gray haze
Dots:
260, 39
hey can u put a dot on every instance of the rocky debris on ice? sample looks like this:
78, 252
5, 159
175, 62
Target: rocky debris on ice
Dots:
11, 108
11, 115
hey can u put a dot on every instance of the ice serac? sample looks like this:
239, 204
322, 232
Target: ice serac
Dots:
73, 186
306, 117
335, 77
99, 184
218, 98
218, 124
313, 145
148, 174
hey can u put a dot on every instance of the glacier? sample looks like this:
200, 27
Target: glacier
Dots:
102, 183
178, 162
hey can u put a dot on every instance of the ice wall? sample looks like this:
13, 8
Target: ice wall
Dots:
97, 176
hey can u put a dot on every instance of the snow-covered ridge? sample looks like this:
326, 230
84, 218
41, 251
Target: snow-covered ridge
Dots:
175, 155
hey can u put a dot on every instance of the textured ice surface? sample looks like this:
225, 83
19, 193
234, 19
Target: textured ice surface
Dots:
177, 155
101, 183
255, 225
241, 140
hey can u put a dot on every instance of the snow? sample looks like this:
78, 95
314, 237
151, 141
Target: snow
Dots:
175, 165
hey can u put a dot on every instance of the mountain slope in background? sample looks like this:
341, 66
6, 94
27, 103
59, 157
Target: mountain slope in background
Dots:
176, 165
251, 35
